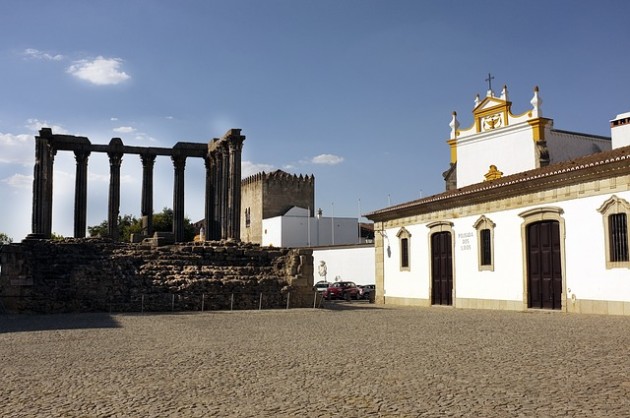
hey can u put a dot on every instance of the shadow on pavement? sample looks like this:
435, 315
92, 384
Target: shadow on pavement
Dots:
27, 323
352, 305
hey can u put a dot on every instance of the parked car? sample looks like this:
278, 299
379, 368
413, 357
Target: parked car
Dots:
341, 290
366, 291
321, 286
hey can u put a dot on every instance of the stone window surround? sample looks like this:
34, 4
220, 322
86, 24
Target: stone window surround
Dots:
404, 234
481, 224
611, 206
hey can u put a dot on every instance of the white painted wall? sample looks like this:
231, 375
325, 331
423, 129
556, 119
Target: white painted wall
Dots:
586, 272
353, 263
585, 269
298, 230
621, 134
511, 149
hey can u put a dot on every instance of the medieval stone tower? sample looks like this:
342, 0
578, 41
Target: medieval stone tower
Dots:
267, 195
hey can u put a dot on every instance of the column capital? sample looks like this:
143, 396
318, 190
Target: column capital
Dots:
179, 161
148, 159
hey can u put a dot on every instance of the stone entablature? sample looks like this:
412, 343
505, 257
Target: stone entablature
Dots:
89, 274
222, 157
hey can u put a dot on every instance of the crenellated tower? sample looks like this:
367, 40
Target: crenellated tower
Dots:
267, 195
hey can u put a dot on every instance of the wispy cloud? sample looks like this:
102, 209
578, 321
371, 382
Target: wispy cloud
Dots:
327, 159
35, 125
16, 149
249, 168
19, 181
124, 129
100, 71
41, 55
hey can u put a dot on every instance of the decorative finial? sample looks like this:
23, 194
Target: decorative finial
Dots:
477, 100
536, 102
454, 125
504, 93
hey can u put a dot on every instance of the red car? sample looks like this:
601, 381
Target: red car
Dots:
341, 290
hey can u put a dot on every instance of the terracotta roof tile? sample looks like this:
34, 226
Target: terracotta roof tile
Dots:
540, 178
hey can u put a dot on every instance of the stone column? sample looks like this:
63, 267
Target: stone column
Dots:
217, 185
80, 193
148, 161
235, 146
115, 159
209, 197
41, 224
179, 164
225, 184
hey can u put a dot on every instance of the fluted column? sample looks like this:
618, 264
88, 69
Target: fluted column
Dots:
215, 230
115, 159
209, 197
235, 146
80, 193
179, 164
41, 223
225, 184
148, 161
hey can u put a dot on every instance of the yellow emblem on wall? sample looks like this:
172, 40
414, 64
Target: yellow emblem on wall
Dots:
492, 121
493, 173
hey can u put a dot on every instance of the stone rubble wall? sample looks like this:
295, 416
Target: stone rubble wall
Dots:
89, 274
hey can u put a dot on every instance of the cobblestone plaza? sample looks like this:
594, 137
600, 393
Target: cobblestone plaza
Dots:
347, 360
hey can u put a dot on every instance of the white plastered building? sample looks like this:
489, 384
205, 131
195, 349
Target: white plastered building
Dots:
534, 218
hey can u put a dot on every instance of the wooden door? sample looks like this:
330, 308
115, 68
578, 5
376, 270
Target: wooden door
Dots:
544, 267
441, 269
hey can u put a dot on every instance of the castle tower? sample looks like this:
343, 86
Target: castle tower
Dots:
267, 195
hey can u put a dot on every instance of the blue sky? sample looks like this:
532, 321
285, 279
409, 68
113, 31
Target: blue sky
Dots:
358, 93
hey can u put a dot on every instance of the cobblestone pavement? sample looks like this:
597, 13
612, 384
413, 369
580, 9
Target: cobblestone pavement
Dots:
355, 360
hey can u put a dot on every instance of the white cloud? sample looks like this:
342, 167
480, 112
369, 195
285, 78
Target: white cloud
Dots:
41, 55
100, 71
19, 181
113, 119
35, 125
248, 168
16, 149
327, 159
124, 129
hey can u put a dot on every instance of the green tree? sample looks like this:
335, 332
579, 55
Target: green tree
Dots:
5, 239
128, 224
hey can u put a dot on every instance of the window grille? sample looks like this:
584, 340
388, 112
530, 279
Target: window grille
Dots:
618, 234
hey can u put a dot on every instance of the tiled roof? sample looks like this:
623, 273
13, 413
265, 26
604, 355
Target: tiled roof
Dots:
599, 165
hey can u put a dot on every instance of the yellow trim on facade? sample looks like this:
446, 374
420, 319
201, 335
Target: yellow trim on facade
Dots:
452, 143
538, 128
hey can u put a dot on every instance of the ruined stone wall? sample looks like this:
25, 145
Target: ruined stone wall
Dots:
87, 275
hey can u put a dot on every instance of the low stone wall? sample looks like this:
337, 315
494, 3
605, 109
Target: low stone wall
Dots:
94, 274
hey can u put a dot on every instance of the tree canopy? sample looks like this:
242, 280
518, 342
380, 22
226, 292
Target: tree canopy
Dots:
5, 239
129, 224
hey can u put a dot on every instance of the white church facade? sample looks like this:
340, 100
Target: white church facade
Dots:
533, 218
